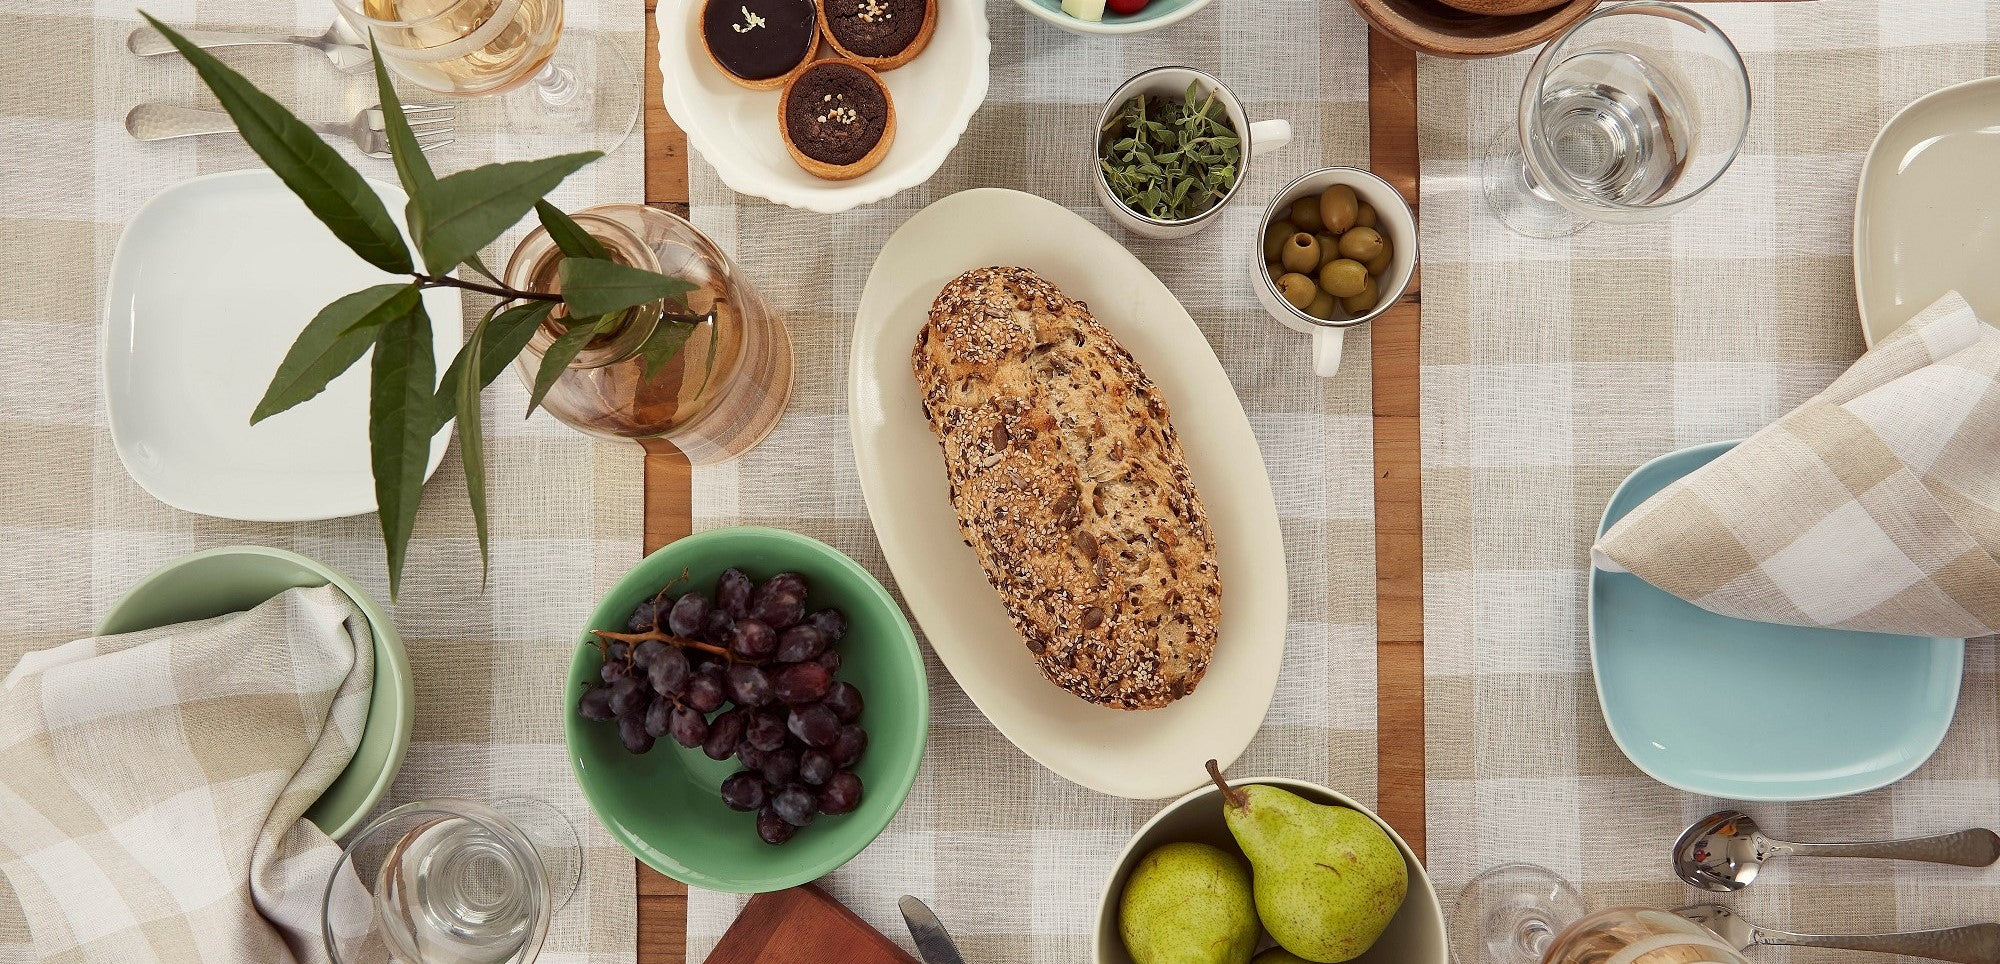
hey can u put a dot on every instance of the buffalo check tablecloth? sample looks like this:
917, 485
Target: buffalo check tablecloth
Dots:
76, 531
1011, 856
1552, 369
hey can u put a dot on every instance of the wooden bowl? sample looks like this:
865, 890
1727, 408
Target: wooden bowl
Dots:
1436, 28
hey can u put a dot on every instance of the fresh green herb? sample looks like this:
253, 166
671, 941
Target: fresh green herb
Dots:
1170, 158
450, 219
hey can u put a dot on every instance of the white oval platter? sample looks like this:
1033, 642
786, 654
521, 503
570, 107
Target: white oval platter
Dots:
1141, 755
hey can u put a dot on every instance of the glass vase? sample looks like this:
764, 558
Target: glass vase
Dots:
715, 399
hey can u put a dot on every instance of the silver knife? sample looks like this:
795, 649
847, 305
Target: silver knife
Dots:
932, 941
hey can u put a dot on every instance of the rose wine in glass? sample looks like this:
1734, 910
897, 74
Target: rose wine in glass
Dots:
1522, 914
1631, 935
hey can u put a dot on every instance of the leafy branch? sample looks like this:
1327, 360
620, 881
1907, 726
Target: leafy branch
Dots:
450, 219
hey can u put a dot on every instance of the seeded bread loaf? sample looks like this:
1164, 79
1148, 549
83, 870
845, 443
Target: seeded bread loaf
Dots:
1071, 487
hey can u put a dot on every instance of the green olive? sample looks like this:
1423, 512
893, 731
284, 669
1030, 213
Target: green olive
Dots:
1297, 289
1364, 302
1305, 214
1329, 249
1343, 278
1322, 306
1380, 262
1301, 253
1274, 238
1275, 270
1361, 244
1337, 208
1365, 218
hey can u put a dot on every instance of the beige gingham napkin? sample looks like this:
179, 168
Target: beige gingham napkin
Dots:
1875, 506
153, 784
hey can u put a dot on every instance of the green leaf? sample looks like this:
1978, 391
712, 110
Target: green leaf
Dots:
464, 212
472, 446
569, 236
663, 344
593, 286
507, 335
330, 187
331, 343
563, 351
399, 437
412, 167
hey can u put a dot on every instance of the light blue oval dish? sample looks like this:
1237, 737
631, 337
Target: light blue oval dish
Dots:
1757, 711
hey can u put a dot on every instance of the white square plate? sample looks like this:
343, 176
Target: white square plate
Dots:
211, 283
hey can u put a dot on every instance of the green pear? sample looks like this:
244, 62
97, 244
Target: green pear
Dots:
1328, 879
1188, 903
1278, 955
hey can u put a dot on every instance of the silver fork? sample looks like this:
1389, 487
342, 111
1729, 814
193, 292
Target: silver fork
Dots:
431, 123
339, 43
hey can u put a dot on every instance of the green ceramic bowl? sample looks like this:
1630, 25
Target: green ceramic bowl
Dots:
664, 805
1157, 14
216, 582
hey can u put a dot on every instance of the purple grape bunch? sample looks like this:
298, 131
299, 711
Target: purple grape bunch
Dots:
745, 673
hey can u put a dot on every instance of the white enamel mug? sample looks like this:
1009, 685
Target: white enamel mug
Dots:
1393, 219
1262, 137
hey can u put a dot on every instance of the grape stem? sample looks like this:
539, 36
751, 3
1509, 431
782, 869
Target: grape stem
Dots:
668, 638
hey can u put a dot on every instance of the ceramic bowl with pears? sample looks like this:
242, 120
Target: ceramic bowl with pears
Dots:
1243, 871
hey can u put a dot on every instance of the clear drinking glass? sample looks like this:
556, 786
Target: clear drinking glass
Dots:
450, 881
1628, 116
716, 398
1519, 914
584, 93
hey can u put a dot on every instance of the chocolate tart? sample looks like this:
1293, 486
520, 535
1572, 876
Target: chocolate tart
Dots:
883, 34
760, 44
837, 119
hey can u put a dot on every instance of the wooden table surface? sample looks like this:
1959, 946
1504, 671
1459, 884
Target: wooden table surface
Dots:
1392, 113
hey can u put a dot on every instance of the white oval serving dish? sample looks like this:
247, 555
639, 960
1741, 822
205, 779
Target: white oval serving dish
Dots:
1141, 755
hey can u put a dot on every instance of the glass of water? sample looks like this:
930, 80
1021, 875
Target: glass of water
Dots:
1521, 914
450, 881
1628, 116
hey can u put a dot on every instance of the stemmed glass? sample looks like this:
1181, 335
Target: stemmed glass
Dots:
1628, 116
449, 881
1520, 914
583, 94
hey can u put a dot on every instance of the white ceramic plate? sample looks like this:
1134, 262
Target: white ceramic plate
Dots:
1926, 218
735, 129
1142, 755
211, 283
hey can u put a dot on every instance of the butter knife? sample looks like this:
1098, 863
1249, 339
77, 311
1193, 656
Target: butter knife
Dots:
932, 941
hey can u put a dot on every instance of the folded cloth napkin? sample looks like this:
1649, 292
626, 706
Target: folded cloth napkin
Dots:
152, 784
1875, 506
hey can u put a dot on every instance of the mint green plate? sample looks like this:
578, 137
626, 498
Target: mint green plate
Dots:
1757, 711
665, 807
216, 582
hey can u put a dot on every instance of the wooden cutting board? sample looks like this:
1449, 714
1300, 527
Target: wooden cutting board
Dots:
803, 926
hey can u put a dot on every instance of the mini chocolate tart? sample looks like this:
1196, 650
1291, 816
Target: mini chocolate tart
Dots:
760, 44
883, 34
837, 119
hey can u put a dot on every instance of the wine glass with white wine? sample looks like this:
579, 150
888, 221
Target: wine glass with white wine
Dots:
1519, 914
583, 94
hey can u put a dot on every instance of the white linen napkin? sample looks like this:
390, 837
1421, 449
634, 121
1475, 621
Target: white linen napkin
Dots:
1875, 506
152, 784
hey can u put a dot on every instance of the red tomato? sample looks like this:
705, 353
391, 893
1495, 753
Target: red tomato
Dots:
1126, 7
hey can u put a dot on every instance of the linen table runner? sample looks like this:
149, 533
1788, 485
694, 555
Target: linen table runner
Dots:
1011, 856
76, 531
1552, 369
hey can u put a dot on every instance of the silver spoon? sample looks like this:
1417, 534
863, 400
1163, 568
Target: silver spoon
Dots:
339, 43
1972, 944
1723, 851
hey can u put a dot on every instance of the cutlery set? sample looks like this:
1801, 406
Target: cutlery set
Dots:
433, 124
1724, 852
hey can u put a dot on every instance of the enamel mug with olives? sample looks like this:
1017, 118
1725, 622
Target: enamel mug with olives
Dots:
1375, 260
